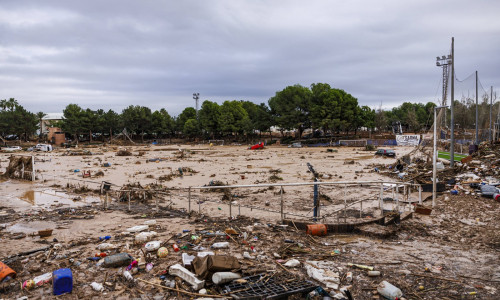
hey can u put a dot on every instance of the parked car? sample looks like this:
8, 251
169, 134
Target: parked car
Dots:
386, 152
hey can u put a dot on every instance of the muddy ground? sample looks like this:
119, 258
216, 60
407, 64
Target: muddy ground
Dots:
451, 254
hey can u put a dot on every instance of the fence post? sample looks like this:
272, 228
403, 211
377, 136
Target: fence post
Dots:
32, 168
128, 200
281, 195
189, 200
420, 194
345, 203
381, 202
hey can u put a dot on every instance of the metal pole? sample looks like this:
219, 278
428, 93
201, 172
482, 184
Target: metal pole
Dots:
345, 203
281, 195
381, 203
315, 200
32, 167
452, 104
491, 107
434, 162
420, 194
477, 115
189, 200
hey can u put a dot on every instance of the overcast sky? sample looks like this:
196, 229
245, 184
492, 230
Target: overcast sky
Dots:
111, 54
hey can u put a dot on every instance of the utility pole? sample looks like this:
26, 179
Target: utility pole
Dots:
491, 107
477, 115
452, 104
196, 96
434, 156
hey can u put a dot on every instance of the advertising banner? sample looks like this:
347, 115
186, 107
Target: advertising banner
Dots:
408, 139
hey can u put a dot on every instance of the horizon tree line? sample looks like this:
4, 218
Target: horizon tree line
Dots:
319, 107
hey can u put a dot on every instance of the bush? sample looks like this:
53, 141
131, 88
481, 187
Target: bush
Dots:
370, 147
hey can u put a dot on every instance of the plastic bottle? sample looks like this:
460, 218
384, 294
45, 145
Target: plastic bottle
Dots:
97, 286
150, 222
145, 236
220, 245
106, 246
104, 238
102, 254
117, 260
127, 275
38, 281
132, 265
176, 248
224, 277
373, 273
138, 228
348, 277
152, 246
389, 291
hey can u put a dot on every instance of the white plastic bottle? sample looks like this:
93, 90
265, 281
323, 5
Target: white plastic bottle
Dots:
389, 291
220, 245
223, 277
127, 275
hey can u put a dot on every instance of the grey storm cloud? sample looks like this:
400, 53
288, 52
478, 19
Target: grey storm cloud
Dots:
111, 54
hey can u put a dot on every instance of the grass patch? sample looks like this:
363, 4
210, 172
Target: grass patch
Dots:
447, 155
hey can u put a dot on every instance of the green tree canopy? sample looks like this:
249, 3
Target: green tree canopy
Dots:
210, 118
290, 108
137, 119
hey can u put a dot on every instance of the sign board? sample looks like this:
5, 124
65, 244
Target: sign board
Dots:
408, 139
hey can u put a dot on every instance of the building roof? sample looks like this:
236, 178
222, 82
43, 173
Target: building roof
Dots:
53, 116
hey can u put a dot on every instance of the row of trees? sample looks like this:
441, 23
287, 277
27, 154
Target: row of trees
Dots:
16, 120
318, 107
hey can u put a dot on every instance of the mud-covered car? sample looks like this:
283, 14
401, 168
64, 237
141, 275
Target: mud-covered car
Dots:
386, 152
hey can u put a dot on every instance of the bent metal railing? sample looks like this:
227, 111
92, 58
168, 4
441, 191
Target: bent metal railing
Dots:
394, 187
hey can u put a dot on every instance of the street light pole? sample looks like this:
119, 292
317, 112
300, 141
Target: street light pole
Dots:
452, 104
434, 157
196, 96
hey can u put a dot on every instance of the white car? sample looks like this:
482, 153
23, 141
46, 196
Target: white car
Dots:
11, 149
43, 147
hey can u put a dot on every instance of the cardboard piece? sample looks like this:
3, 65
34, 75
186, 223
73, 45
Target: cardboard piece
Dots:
203, 266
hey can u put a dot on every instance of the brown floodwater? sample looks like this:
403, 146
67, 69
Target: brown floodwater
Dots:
50, 198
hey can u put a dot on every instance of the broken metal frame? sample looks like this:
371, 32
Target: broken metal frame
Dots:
396, 185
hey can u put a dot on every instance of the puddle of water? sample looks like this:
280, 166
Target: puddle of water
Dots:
47, 198
31, 227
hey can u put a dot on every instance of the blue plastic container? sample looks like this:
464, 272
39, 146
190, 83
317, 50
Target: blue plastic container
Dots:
62, 281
